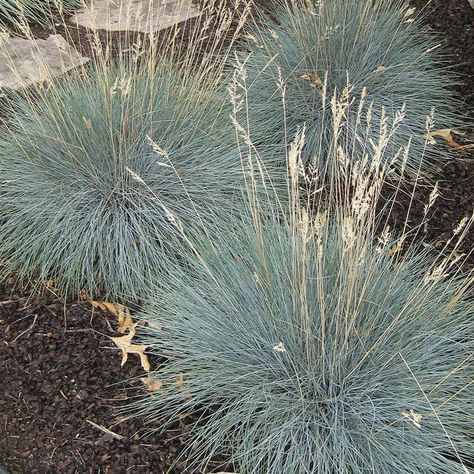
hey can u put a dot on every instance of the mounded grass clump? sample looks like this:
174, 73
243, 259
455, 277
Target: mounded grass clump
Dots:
302, 347
100, 170
377, 53
42, 12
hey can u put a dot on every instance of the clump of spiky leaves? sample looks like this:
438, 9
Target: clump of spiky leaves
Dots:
100, 169
311, 344
305, 52
16, 13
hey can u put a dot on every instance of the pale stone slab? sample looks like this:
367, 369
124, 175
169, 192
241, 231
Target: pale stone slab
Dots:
472, 3
24, 62
146, 16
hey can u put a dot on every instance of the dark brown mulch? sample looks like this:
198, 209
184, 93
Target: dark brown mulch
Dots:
59, 369
453, 22
58, 373
455, 202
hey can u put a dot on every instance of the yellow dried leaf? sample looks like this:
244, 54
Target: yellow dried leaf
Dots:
380, 69
395, 249
149, 325
446, 134
123, 313
99, 305
124, 343
313, 79
125, 322
152, 384
180, 380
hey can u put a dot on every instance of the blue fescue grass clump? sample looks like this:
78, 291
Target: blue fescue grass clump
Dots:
307, 347
101, 169
305, 53
42, 12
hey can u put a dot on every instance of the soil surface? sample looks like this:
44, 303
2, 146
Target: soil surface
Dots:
453, 22
62, 383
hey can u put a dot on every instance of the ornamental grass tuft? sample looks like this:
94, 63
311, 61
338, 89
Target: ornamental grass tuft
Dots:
303, 53
16, 13
315, 352
99, 170
311, 343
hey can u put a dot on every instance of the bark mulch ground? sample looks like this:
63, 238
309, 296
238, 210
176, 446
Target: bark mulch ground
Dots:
61, 377
453, 22
62, 381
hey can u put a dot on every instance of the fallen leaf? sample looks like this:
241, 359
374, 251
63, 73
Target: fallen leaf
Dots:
125, 322
313, 79
152, 384
395, 249
50, 283
147, 324
446, 134
380, 69
123, 313
124, 343
180, 380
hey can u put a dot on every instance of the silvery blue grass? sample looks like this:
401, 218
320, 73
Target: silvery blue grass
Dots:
377, 55
17, 13
101, 168
308, 349
304, 340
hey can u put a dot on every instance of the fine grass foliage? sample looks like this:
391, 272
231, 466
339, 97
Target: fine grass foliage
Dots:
99, 170
315, 340
315, 351
302, 53
16, 13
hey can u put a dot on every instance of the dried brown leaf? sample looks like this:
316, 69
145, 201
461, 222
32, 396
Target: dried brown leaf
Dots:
122, 312
124, 343
313, 79
152, 384
446, 134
